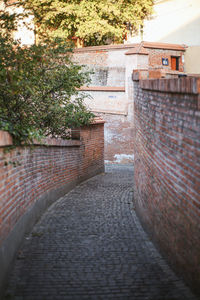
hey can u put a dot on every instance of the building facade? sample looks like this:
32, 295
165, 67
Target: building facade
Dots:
175, 21
111, 89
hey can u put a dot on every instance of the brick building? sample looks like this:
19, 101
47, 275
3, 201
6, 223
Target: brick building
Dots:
111, 88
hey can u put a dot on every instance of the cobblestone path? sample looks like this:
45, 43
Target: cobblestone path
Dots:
90, 245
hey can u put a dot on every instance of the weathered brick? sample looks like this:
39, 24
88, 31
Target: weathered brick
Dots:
41, 169
167, 168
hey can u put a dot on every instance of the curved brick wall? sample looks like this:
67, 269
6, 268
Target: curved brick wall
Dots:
167, 169
34, 177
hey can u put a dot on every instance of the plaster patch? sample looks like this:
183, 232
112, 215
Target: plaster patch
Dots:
109, 136
107, 161
113, 136
121, 158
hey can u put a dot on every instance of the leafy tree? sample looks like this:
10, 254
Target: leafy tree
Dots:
38, 87
94, 21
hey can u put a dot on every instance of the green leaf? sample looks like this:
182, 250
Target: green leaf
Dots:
94, 21
37, 85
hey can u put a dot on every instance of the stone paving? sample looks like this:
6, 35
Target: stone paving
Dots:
90, 245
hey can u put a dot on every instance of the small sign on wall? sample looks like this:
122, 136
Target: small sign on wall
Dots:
165, 61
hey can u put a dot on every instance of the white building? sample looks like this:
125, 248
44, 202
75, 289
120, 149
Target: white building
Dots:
176, 22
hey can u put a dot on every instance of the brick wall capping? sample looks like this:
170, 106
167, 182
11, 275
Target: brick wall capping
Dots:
192, 75
57, 142
139, 74
164, 46
97, 120
155, 73
110, 112
139, 50
6, 140
104, 48
103, 88
133, 52
186, 85
151, 45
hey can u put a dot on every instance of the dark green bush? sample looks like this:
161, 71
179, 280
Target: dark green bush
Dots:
39, 88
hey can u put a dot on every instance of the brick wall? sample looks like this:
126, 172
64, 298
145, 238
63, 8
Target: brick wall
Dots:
108, 97
111, 92
156, 55
31, 178
167, 169
118, 139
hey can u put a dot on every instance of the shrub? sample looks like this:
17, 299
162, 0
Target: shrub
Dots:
39, 88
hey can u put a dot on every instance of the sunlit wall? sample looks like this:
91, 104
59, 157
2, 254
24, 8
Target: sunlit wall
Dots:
177, 22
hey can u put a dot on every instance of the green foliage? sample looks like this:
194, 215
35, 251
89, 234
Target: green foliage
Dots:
39, 88
94, 21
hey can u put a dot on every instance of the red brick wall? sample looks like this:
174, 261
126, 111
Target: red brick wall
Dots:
91, 156
156, 55
28, 173
167, 169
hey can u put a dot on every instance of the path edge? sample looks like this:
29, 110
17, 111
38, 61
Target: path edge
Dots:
10, 247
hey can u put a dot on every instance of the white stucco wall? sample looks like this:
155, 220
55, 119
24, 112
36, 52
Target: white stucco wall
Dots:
112, 69
174, 21
107, 102
116, 58
192, 60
